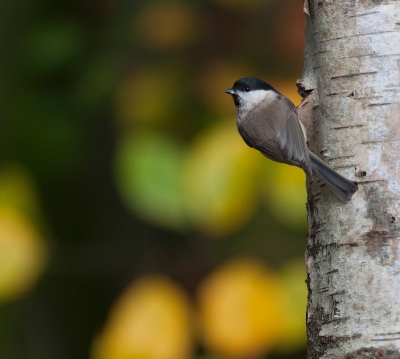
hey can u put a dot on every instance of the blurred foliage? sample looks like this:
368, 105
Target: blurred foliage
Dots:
23, 252
176, 25
120, 157
220, 177
148, 171
152, 319
18, 191
292, 278
241, 310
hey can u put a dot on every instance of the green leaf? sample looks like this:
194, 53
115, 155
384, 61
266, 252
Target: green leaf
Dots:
148, 177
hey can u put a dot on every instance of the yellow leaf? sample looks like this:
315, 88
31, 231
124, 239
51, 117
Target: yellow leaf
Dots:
240, 310
23, 254
148, 177
151, 320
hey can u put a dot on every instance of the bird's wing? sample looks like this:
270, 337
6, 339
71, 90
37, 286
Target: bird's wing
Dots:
275, 130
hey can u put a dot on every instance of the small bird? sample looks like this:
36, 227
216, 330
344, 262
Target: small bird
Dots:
268, 122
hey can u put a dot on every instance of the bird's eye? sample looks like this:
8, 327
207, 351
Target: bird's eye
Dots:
247, 88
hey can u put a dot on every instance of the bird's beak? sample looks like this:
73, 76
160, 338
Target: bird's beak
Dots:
230, 91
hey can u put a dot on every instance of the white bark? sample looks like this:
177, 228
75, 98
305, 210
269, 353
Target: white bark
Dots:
351, 84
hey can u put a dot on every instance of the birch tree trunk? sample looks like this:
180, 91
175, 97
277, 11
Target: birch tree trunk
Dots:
351, 90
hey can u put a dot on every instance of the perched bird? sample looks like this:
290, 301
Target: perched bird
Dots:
268, 122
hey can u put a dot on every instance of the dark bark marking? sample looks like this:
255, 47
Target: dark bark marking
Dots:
381, 240
344, 127
354, 75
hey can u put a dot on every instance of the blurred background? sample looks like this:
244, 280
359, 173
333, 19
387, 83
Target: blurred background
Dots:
134, 221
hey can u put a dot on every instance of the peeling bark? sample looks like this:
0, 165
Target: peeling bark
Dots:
351, 100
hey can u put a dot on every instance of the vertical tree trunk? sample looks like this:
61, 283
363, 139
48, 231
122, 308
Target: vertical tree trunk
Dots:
351, 90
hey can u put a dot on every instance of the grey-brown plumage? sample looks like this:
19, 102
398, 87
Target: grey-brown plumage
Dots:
268, 122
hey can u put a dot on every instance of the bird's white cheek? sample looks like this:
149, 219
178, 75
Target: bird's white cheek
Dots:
259, 96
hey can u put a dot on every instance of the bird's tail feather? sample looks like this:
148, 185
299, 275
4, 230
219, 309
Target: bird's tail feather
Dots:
341, 186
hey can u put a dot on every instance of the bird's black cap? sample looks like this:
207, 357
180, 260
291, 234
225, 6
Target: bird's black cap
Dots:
251, 84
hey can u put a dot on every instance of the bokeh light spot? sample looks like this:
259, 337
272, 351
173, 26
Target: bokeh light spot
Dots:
22, 254
241, 309
152, 319
148, 176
